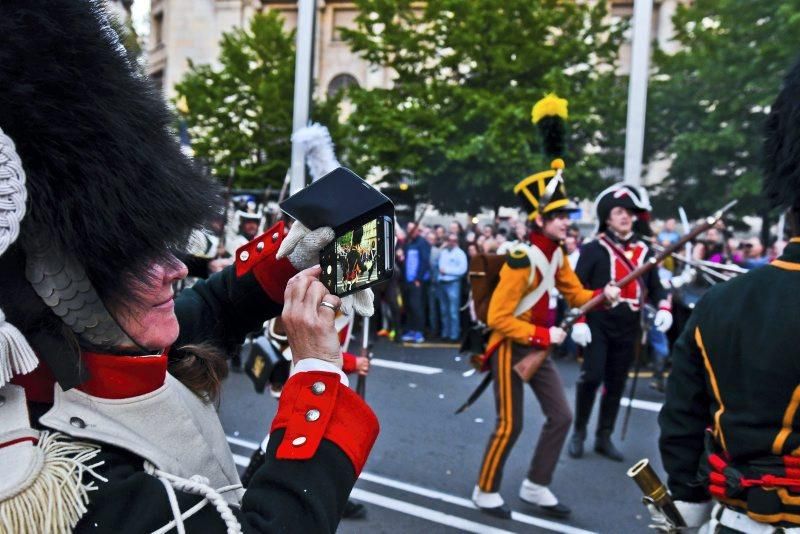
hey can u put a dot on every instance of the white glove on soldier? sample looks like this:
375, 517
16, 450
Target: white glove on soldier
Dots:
662, 321
557, 335
695, 514
302, 247
360, 302
581, 334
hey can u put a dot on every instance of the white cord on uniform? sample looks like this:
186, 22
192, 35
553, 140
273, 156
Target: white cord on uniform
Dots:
197, 485
16, 355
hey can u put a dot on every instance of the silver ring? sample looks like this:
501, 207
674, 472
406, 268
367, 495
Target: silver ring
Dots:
329, 305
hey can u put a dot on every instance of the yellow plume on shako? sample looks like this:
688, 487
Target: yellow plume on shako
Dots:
549, 106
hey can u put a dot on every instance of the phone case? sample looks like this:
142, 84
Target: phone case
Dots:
340, 199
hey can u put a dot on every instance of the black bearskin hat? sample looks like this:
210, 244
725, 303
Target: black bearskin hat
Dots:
109, 190
620, 195
782, 145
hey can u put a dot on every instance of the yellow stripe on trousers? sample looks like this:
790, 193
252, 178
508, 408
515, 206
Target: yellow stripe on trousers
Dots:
500, 440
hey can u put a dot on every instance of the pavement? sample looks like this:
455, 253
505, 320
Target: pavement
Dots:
423, 467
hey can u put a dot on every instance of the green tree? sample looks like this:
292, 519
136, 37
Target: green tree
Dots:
239, 115
708, 101
457, 121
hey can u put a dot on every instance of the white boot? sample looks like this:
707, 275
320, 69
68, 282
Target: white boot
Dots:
536, 494
486, 500
543, 500
490, 503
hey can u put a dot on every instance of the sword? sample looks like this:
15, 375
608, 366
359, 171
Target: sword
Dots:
637, 365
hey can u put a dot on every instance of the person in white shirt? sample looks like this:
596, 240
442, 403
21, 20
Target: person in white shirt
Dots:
452, 268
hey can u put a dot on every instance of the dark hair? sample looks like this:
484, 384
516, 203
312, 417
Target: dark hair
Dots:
201, 368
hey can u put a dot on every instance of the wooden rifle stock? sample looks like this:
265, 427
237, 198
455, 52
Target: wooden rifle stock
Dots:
531, 363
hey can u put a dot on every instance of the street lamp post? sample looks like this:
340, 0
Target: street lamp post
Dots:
637, 91
303, 76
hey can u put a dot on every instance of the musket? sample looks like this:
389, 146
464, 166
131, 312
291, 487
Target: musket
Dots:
361, 383
710, 268
655, 493
531, 363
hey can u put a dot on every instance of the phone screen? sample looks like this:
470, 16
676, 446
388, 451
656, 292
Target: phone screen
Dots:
357, 258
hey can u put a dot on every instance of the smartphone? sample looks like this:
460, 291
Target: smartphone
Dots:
359, 258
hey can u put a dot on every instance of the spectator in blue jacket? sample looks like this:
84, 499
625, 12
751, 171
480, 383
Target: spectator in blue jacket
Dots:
452, 268
417, 274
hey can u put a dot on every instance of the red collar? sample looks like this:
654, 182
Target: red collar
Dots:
121, 377
544, 243
111, 377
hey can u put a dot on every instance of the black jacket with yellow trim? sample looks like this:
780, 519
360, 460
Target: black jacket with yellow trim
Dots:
736, 371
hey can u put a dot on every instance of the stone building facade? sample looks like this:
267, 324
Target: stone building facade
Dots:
182, 30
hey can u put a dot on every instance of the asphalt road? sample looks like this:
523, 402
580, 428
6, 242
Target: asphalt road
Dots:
423, 467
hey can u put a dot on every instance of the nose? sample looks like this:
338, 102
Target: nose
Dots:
175, 270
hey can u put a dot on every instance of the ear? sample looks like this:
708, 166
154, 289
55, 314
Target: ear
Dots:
539, 220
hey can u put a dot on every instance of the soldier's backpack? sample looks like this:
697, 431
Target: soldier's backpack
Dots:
484, 274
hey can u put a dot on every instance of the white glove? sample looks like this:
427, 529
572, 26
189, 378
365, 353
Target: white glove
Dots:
695, 515
557, 335
662, 321
581, 334
302, 246
612, 293
360, 303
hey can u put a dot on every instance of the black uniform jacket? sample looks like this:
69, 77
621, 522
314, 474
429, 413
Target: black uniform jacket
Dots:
736, 371
594, 271
299, 489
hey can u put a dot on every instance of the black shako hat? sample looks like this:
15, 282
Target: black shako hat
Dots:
108, 189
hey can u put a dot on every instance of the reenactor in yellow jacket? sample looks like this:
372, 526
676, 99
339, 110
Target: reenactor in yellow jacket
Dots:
522, 318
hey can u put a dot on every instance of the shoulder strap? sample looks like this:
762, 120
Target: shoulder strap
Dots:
548, 270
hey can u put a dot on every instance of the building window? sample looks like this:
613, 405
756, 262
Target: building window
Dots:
342, 18
340, 82
157, 78
158, 29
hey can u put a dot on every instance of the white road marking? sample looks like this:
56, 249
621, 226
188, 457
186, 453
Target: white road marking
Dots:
410, 367
461, 524
247, 444
642, 404
429, 493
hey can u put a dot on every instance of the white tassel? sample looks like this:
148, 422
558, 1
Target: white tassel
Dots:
16, 355
57, 498
318, 147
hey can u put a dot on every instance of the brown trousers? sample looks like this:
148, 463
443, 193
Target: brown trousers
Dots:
508, 393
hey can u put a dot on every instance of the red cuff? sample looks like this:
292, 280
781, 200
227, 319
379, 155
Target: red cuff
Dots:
315, 405
540, 337
350, 364
258, 256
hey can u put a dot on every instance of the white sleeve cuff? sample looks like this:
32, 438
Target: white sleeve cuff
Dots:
315, 364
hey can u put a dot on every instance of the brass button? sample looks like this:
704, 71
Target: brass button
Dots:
318, 388
77, 422
275, 237
260, 246
298, 441
312, 415
244, 256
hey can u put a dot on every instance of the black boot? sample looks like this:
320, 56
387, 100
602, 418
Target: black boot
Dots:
354, 510
575, 447
584, 400
604, 447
